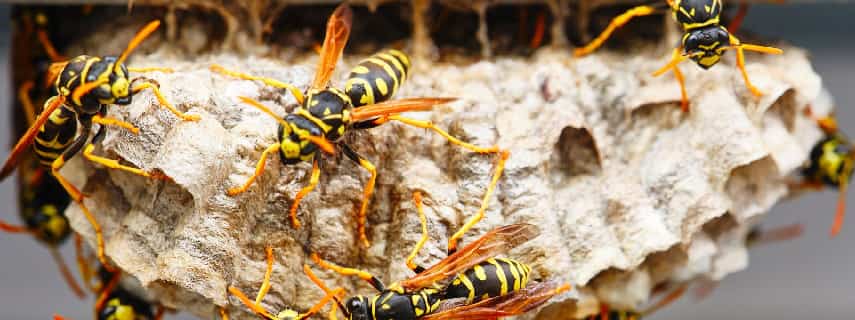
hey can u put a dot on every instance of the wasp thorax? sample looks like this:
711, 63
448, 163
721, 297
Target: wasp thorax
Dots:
357, 308
50, 224
706, 45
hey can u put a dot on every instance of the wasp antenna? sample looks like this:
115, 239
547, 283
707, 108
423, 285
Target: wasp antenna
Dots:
259, 106
138, 38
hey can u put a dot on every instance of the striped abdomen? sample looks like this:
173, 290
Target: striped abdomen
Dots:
377, 78
55, 135
617, 315
491, 278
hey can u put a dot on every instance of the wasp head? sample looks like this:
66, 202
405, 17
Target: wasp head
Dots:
706, 45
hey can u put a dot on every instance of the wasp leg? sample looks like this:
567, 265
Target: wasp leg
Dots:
298, 95
26, 102
617, 22
106, 290
539, 30
500, 166
224, 315
83, 266
429, 125
158, 315
313, 182
105, 121
257, 308
51, 51
736, 22
740, 63
364, 275
114, 164
13, 228
151, 69
163, 102
66, 274
74, 193
417, 199
259, 168
367, 191
684, 98
265, 284
841, 203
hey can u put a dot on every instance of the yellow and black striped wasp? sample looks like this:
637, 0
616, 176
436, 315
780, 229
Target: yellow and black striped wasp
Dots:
41, 199
287, 314
85, 86
704, 40
468, 284
325, 114
830, 164
115, 303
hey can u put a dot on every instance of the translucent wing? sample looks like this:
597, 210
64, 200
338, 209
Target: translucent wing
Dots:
397, 106
29, 136
491, 244
338, 30
514, 303
53, 72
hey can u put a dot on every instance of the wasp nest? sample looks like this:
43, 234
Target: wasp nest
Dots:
628, 191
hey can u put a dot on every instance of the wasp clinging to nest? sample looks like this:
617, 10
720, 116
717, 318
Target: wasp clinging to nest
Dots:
704, 40
85, 86
326, 113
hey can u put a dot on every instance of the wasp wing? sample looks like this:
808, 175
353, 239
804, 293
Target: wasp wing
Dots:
511, 304
396, 106
53, 72
338, 30
491, 244
29, 136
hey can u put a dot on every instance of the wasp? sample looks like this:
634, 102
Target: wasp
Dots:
116, 303
85, 86
41, 199
468, 284
830, 163
325, 114
704, 39
287, 314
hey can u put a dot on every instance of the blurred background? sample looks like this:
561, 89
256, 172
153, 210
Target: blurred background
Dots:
809, 278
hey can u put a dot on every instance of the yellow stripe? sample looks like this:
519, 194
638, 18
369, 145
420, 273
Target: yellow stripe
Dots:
469, 286
374, 307
359, 69
696, 25
395, 63
320, 123
47, 155
401, 56
514, 273
501, 275
480, 274
381, 86
388, 69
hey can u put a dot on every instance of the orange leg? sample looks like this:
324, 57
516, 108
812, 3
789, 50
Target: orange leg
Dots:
364, 275
163, 102
539, 28
736, 22
77, 196
684, 98
13, 228
617, 22
265, 284
417, 199
66, 274
105, 292
500, 166
841, 208
313, 182
259, 169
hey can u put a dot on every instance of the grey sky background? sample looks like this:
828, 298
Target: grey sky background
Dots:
810, 278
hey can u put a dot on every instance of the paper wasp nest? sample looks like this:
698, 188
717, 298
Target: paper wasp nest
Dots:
629, 192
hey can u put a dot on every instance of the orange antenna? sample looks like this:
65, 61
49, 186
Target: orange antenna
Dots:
138, 38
